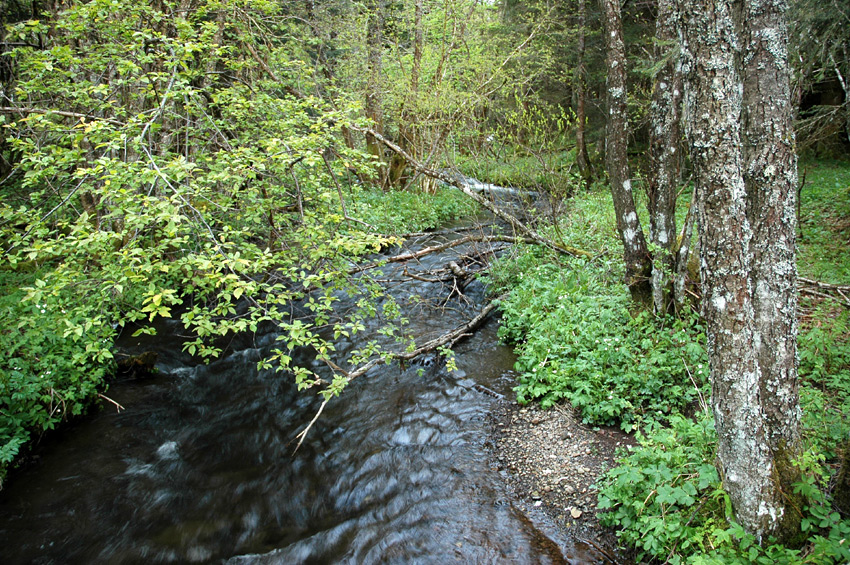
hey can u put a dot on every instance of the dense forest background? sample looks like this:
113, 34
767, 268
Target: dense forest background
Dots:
221, 161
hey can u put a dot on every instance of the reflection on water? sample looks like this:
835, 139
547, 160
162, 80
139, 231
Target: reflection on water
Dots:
200, 467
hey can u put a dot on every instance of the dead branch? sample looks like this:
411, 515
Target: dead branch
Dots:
475, 227
118, 407
823, 285
428, 346
442, 247
515, 222
12, 110
813, 292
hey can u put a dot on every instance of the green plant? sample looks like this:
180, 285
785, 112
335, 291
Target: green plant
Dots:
665, 494
578, 341
666, 499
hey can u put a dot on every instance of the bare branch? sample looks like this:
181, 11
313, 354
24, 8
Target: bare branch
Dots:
463, 187
430, 345
13, 110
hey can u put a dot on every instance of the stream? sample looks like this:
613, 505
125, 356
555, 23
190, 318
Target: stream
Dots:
199, 467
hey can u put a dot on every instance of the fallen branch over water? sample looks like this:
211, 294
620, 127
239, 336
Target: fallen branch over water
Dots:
442, 247
517, 224
431, 345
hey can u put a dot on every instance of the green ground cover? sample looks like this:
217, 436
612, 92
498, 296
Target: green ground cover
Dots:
579, 340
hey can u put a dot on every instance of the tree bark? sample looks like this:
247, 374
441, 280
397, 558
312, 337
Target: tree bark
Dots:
374, 98
664, 160
580, 86
770, 177
714, 104
635, 251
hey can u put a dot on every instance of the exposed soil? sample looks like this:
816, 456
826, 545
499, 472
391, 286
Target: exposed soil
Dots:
551, 462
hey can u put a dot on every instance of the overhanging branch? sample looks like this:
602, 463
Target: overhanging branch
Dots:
515, 222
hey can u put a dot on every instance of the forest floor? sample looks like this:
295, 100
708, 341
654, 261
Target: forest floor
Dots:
551, 462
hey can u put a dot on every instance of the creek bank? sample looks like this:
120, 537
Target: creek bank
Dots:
551, 462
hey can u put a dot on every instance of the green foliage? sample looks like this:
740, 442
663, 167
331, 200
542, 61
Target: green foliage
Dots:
824, 349
665, 493
666, 500
166, 171
580, 343
412, 210
577, 338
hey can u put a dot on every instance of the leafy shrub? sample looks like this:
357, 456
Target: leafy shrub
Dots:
56, 355
578, 342
665, 494
666, 499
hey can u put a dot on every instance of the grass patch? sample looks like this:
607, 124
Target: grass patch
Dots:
400, 211
825, 221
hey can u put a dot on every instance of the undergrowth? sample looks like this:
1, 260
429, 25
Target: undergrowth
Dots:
55, 347
580, 341
411, 210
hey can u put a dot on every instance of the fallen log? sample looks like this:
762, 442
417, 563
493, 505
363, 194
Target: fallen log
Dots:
515, 222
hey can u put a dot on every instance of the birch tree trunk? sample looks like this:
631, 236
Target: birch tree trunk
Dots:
714, 105
770, 177
664, 157
635, 251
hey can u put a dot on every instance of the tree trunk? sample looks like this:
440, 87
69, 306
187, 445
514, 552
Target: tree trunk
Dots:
664, 161
580, 86
374, 99
714, 104
770, 177
407, 126
635, 252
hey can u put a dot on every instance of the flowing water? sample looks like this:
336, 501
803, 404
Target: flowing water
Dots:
200, 466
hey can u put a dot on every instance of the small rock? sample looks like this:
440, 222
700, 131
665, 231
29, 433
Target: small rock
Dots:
535, 421
575, 513
535, 496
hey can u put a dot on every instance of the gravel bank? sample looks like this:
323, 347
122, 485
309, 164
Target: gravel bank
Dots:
551, 462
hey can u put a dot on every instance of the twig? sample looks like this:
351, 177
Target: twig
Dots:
430, 345
118, 407
441, 247
823, 285
303, 434
12, 110
824, 295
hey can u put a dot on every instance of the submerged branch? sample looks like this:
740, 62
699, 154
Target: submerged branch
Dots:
447, 338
